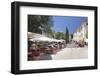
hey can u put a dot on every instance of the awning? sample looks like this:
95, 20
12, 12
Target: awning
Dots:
46, 39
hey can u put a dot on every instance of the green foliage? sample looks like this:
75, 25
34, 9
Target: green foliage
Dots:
40, 24
37, 24
71, 36
67, 35
59, 35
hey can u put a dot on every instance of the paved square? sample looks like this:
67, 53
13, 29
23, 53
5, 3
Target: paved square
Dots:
71, 53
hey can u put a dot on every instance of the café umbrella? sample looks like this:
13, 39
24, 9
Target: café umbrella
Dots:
43, 39
46, 39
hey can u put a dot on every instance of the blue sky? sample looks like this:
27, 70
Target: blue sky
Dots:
72, 23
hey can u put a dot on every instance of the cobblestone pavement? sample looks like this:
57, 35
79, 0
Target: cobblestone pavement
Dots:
71, 53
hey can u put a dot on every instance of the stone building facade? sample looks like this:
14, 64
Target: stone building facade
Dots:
81, 34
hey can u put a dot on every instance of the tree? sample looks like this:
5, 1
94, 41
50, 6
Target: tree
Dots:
59, 35
67, 35
39, 24
34, 24
51, 33
71, 36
